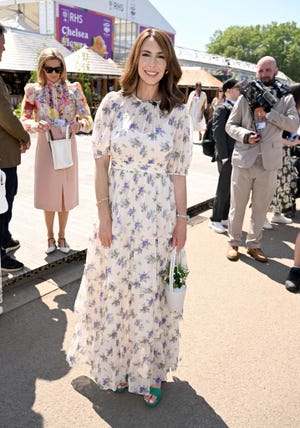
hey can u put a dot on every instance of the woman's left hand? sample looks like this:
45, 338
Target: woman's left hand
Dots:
179, 234
75, 127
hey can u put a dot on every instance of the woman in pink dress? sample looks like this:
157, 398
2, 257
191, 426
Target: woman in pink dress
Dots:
54, 103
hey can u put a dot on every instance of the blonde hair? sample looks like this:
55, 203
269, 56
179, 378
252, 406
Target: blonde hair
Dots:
45, 55
170, 93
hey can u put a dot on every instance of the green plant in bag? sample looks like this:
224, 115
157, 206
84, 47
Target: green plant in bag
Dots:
180, 275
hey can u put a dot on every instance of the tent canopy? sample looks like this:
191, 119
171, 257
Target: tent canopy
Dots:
22, 49
191, 75
85, 60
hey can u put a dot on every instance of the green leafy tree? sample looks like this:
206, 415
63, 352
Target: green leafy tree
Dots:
282, 41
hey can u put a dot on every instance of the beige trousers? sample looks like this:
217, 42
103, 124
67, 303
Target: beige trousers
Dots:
261, 184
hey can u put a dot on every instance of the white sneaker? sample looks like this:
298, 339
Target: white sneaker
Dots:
224, 223
267, 225
216, 226
281, 219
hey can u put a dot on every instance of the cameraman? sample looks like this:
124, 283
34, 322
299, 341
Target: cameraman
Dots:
256, 158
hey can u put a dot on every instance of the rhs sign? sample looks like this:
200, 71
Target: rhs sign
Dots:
80, 27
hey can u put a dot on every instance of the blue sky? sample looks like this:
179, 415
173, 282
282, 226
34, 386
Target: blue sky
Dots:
195, 21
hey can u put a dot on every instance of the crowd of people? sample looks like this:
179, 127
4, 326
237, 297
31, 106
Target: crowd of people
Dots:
252, 147
142, 144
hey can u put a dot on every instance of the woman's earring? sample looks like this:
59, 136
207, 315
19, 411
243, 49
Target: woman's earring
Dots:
166, 72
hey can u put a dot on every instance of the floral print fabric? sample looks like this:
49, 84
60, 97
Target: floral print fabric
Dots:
124, 326
55, 101
284, 198
58, 104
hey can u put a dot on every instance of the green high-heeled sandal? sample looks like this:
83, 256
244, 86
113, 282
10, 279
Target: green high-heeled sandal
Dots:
157, 393
123, 386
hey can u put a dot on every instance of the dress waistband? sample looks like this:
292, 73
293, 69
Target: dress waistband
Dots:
139, 167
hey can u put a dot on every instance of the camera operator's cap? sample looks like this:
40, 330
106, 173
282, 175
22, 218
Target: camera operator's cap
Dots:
231, 83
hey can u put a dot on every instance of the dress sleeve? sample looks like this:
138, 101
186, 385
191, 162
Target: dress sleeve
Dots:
182, 146
82, 108
28, 107
103, 125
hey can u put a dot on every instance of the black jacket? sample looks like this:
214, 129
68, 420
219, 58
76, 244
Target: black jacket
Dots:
224, 143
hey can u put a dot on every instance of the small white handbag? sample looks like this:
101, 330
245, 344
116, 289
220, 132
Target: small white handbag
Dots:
175, 296
3, 200
61, 151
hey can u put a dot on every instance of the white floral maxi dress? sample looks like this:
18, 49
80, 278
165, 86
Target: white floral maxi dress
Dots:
124, 326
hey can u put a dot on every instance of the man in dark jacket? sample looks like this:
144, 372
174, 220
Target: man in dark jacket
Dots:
224, 148
14, 140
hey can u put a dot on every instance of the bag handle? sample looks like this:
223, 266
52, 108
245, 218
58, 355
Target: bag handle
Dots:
171, 271
174, 255
67, 133
51, 135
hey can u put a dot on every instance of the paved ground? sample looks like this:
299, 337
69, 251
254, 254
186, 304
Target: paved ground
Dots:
240, 348
240, 345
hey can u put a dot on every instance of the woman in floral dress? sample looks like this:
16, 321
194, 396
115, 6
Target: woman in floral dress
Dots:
142, 148
284, 199
54, 103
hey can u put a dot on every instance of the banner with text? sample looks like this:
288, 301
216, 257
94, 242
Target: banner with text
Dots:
78, 27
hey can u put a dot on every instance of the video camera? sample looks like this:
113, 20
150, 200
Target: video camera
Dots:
259, 95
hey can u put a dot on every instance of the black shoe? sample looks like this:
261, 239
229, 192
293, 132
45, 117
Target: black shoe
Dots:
10, 265
293, 280
12, 245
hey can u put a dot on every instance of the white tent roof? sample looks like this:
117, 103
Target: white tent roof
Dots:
140, 11
22, 49
85, 60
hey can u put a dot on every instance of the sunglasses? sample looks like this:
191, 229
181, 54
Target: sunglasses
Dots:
50, 70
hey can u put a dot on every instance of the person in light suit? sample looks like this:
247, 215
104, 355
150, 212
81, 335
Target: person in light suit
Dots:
256, 158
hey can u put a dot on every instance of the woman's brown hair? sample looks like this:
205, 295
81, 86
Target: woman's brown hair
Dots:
170, 93
295, 90
46, 55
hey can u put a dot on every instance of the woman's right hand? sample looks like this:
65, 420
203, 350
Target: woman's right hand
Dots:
42, 126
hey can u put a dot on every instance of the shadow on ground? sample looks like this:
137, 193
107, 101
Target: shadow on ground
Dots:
275, 248
180, 407
31, 342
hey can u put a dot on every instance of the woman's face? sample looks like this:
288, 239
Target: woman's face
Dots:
152, 63
53, 69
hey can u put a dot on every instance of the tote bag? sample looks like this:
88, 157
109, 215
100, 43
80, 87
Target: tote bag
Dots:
61, 151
